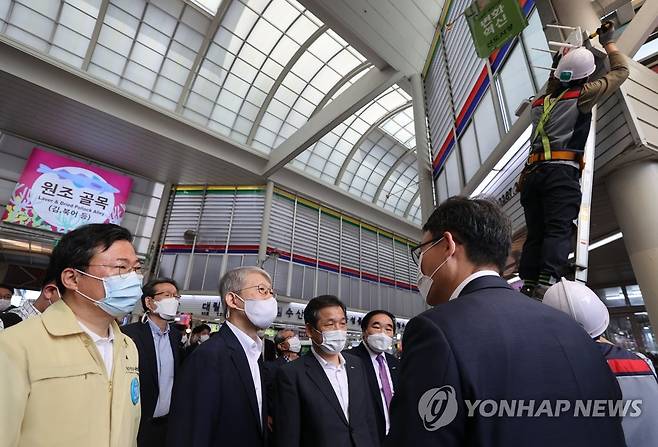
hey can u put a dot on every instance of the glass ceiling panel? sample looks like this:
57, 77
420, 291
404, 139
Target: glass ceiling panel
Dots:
148, 48
414, 212
325, 62
210, 6
401, 186
325, 157
401, 127
255, 41
61, 30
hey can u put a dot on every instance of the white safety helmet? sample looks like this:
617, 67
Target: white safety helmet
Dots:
581, 303
578, 63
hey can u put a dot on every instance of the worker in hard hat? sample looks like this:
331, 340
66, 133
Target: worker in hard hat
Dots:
550, 182
635, 374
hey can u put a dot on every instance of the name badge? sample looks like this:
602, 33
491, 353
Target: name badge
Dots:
134, 390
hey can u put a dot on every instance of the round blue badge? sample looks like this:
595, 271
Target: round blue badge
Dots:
134, 390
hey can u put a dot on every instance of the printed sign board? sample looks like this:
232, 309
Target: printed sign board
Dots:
493, 23
59, 194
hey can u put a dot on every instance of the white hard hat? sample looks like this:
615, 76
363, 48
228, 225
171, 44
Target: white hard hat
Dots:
581, 303
578, 63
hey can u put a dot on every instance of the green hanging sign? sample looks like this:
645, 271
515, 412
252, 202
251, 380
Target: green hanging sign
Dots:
494, 22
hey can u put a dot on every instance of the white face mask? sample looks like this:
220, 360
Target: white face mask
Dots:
425, 282
167, 308
294, 344
203, 338
333, 341
261, 313
379, 342
4, 305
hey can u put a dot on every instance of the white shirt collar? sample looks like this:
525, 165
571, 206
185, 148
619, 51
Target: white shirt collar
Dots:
95, 337
253, 348
326, 364
470, 278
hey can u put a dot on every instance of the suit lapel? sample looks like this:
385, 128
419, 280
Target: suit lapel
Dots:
393, 369
319, 377
149, 353
371, 374
175, 350
352, 383
241, 363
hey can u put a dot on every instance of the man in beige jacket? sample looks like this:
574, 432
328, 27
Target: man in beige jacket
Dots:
69, 377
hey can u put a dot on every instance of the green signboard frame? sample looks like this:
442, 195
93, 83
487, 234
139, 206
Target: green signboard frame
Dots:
493, 23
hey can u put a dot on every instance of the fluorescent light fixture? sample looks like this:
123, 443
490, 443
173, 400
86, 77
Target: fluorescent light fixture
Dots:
602, 242
514, 279
209, 6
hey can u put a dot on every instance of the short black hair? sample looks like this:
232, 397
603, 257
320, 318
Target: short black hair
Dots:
200, 328
366, 320
8, 287
75, 249
479, 224
148, 289
318, 303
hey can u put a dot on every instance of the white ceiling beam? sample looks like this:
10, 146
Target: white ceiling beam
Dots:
411, 203
352, 99
201, 54
102, 10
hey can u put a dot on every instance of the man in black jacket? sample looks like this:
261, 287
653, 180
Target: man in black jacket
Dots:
488, 367
322, 399
158, 345
220, 399
381, 367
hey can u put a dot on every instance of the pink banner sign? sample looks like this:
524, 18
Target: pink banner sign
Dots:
59, 194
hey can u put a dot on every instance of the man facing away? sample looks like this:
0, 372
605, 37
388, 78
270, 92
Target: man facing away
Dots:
635, 375
220, 399
381, 367
69, 376
484, 341
159, 357
322, 399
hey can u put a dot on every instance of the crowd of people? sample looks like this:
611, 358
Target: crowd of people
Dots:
485, 366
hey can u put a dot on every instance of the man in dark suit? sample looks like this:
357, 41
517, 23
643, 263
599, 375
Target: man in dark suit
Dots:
158, 345
489, 367
219, 399
322, 398
381, 367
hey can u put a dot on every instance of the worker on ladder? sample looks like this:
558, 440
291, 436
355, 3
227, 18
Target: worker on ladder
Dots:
550, 181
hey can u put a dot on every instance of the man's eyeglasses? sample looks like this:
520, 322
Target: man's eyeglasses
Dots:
121, 270
418, 249
167, 295
262, 290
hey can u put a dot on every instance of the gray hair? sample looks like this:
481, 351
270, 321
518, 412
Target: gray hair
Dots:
279, 338
233, 280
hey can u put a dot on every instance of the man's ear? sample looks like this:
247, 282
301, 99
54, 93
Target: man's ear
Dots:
69, 278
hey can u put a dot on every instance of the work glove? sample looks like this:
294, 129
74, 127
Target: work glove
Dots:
606, 33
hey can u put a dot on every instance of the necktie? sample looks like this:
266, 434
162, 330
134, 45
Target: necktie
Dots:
383, 376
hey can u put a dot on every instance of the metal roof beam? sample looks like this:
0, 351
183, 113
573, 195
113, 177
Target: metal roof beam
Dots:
390, 172
352, 99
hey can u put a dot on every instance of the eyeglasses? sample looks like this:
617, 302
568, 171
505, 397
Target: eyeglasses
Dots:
418, 249
262, 290
121, 270
168, 295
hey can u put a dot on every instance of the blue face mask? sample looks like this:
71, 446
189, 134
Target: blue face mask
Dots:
121, 293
